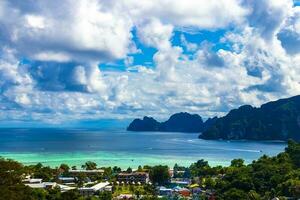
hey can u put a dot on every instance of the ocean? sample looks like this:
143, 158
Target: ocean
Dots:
74, 147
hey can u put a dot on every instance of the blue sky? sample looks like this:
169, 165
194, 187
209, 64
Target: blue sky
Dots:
71, 63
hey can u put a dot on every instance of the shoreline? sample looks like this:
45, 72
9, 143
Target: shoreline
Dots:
124, 163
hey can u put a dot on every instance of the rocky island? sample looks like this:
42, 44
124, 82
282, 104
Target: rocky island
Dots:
179, 122
277, 120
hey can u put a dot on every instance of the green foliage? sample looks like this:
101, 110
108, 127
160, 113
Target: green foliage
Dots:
129, 170
252, 195
265, 178
11, 187
149, 189
291, 187
202, 168
210, 183
105, 196
81, 178
16, 192
107, 172
116, 169
90, 165
10, 172
45, 173
234, 193
293, 150
64, 167
237, 163
70, 195
140, 169
160, 175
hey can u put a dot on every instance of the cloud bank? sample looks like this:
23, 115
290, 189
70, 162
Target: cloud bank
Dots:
89, 59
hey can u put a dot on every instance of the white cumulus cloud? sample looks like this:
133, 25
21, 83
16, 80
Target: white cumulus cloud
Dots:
257, 59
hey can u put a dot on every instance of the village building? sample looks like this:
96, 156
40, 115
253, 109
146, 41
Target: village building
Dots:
86, 171
99, 187
32, 180
67, 180
42, 185
163, 191
136, 177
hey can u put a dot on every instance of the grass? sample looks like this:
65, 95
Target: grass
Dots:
128, 189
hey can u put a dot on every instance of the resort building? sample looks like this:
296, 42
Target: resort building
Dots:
136, 177
32, 180
99, 187
42, 185
180, 181
65, 188
125, 196
67, 179
86, 171
38, 183
163, 191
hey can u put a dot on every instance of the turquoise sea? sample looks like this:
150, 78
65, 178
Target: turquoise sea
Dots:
121, 148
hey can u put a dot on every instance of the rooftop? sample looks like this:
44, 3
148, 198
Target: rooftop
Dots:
33, 180
100, 186
41, 185
65, 188
36, 185
86, 171
66, 178
132, 173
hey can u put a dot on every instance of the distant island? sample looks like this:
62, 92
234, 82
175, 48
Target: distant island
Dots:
278, 120
179, 122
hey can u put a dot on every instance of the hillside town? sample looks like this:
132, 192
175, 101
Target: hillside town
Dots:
268, 178
128, 184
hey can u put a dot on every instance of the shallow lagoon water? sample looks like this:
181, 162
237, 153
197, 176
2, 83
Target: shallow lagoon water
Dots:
121, 148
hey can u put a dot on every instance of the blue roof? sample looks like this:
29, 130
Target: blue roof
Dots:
66, 178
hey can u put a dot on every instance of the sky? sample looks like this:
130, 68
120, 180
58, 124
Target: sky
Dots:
63, 61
